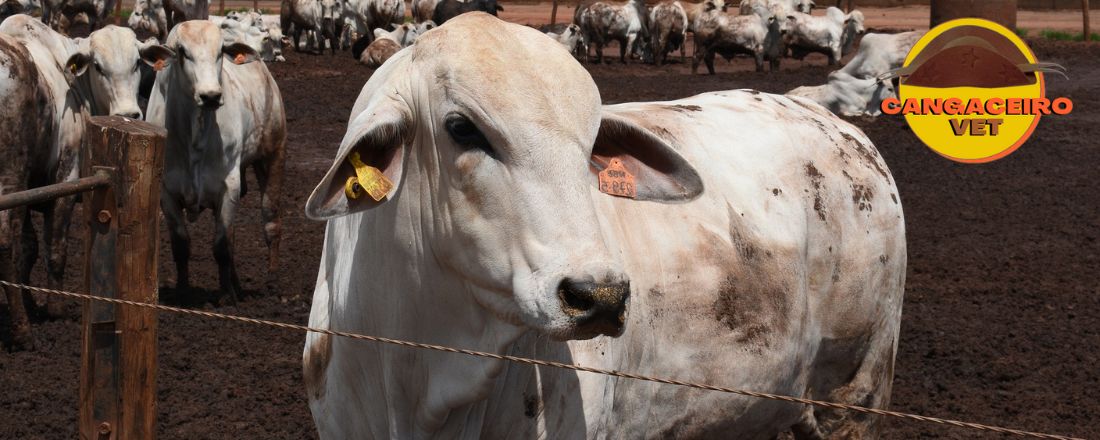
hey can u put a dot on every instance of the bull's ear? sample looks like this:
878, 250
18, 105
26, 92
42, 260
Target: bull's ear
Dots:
79, 61
240, 53
376, 141
660, 173
153, 53
499, 7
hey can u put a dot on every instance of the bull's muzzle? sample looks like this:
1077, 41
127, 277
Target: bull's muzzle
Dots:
596, 309
212, 99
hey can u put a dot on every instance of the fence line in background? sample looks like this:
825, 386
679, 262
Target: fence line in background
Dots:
521, 360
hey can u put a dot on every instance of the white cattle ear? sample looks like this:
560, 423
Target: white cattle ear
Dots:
660, 173
377, 140
155, 54
78, 62
379, 33
240, 53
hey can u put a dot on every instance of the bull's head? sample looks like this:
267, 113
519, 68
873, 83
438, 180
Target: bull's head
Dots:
492, 141
199, 53
114, 55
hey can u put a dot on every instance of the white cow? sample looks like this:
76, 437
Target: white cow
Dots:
765, 250
752, 35
832, 34
668, 26
100, 77
223, 113
881, 53
320, 19
602, 22
694, 10
847, 95
149, 16
254, 33
567, 34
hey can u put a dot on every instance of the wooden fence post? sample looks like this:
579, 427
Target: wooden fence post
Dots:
554, 13
1087, 34
119, 356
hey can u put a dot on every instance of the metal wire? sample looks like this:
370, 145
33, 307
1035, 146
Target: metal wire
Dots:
521, 360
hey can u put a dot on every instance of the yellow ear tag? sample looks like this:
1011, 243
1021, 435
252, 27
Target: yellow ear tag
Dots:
239, 59
368, 178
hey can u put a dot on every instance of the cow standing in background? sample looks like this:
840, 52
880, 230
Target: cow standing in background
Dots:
321, 19
753, 35
833, 34
223, 113
668, 26
100, 77
601, 22
763, 248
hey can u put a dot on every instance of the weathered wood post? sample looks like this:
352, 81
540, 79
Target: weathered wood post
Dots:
1087, 33
554, 13
119, 356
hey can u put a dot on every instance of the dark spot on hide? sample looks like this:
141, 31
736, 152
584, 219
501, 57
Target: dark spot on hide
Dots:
861, 197
531, 407
867, 154
815, 180
753, 308
684, 108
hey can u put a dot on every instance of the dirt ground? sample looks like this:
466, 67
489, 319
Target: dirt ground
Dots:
1002, 313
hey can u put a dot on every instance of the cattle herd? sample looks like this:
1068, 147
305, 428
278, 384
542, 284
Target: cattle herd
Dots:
472, 138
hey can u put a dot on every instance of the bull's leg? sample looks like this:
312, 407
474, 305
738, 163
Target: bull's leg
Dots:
223, 239
834, 56
56, 237
759, 58
297, 39
626, 46
20, 325
869, 386
181, 240
708, 57
269, 173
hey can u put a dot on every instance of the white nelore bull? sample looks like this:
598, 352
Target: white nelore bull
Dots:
98, 75
752, 35
765, 250
387, 43
668, 26
223, 113
847, 95
881, 53
832, 34
605, 21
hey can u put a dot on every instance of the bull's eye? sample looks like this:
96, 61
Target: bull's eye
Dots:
466, 134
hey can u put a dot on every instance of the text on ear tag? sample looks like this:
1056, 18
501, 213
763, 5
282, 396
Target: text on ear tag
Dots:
239, 59
617, 181
367, 178
158, 66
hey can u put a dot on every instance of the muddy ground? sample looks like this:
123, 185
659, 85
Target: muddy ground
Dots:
1002, 314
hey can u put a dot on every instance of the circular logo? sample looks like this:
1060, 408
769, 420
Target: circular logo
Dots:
973, 91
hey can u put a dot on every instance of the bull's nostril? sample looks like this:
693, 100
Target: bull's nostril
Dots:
600, 307
576, 297
210, 99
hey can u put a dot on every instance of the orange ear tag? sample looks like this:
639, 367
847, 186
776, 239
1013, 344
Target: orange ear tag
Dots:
617, 181
239, 59
158, 66
368, 178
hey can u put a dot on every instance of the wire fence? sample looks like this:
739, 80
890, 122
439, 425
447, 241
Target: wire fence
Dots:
528, 361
